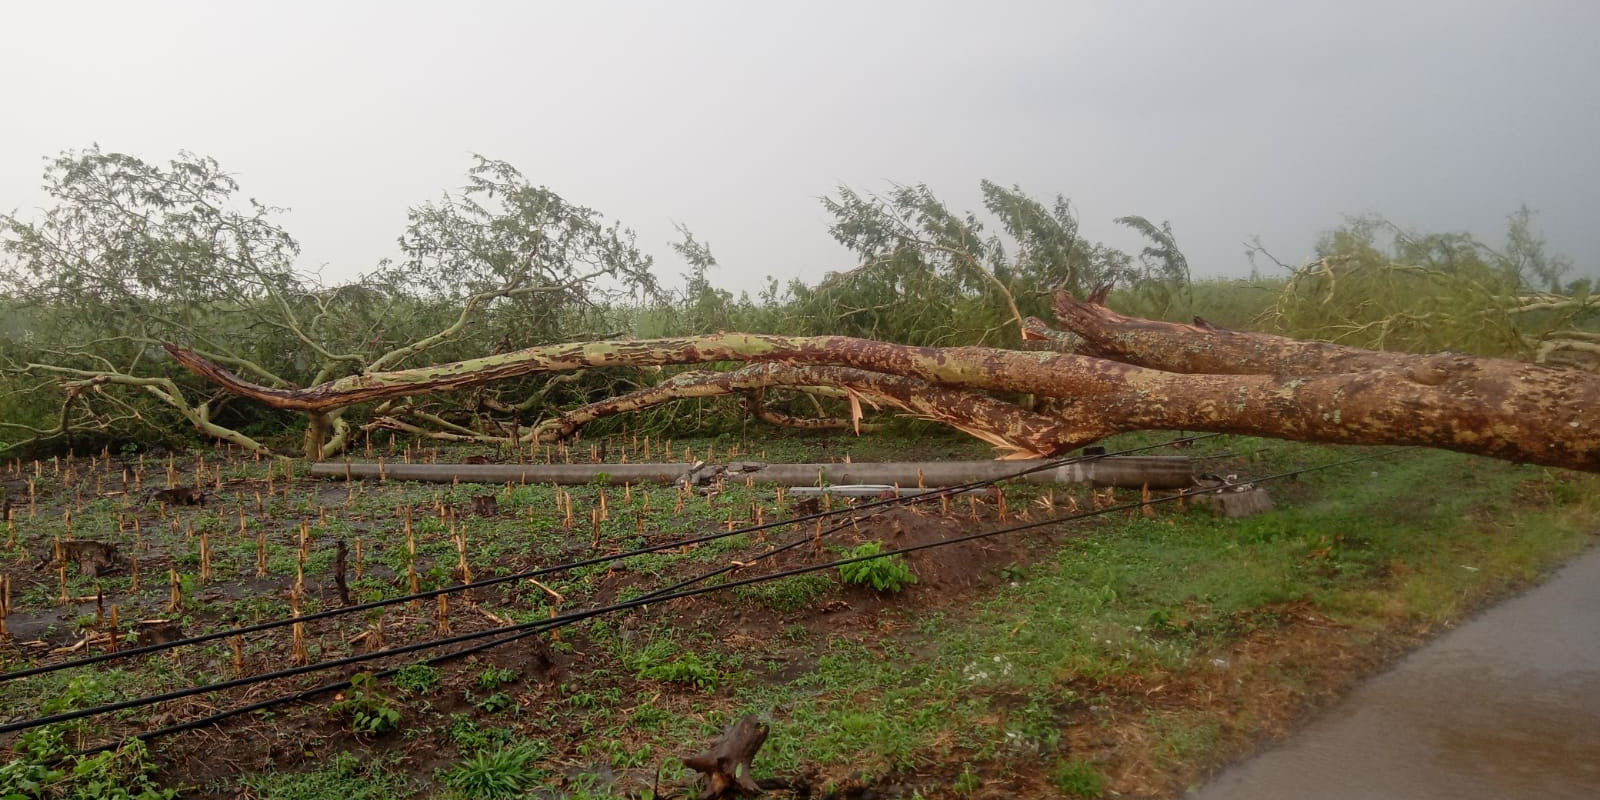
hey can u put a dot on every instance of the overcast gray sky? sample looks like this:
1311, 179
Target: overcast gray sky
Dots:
1230, 119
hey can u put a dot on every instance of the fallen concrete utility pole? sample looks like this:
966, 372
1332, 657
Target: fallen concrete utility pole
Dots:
1132, 472
869, 490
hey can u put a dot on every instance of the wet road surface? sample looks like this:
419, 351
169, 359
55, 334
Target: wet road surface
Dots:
1505, 706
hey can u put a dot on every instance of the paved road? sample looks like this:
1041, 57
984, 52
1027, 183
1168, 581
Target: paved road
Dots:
1505, 706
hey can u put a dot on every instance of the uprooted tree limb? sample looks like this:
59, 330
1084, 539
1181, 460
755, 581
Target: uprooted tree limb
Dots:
726, 764
1201, 348
1272, 386
134, 253
1002, 424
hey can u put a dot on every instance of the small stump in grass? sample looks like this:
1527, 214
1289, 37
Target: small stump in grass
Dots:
1247, 503
726, 764
157, 631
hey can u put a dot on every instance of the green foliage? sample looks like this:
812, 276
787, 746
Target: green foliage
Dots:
346, 776
369, 710
45, 770
1377, 285
132, 253
492, 678
495, 703
793, 593
889, 574
1033, 727
967, 782
417, 679
687, 669
504, 773
929, 275
472, 738
1078, 779
662, 661
1226, 302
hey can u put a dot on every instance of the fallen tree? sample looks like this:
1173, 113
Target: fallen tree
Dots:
1005, 425
1131, 374
133, 253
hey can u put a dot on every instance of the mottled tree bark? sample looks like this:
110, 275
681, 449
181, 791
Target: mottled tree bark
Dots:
1018, 433
753, 405
1494, 407
1095, 330
726, 764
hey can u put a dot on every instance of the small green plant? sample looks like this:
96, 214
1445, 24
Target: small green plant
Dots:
494, 703
504, 773
46, 769
346, 776
1078, 779
788, 594
472, 738
1033, 726
888, 574
417, 679
369, 710
661, 661
494, 677
687, 669
967, 782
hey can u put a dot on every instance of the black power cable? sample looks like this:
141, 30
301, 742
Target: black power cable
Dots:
389, 601
334, 686
562, 620
306, 694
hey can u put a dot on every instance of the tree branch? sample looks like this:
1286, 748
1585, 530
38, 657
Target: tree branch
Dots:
1017, 433
1505, 409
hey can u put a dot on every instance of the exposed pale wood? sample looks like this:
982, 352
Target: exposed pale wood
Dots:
1495, 407
1017, 432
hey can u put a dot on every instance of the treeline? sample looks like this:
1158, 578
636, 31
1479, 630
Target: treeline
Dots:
132, 253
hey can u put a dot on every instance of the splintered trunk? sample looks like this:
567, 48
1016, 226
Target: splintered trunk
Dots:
1198, 378
1022, 434
1201, 348
318, 428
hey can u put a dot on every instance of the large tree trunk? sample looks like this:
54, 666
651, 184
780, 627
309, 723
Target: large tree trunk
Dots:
1019, 433
1094, 330
1287, 389
318, 430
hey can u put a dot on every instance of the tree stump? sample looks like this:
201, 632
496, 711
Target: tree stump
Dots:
1247, 503
726, 763
157, 631
94, 559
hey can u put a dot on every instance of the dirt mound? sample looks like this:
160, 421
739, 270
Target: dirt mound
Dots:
943, 569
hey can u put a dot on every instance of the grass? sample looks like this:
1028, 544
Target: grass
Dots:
1077, 779
346, 776
794, 593
1048, 669
495, 774
1143, 600
472, 738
